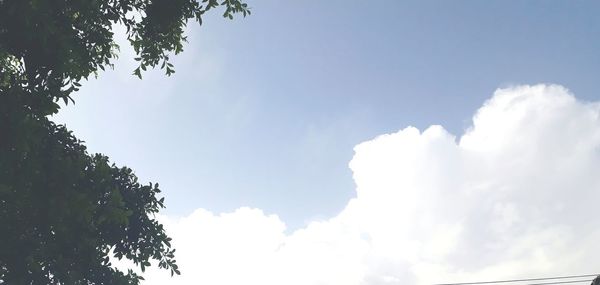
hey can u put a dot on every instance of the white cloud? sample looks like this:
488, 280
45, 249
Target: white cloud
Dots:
515, 196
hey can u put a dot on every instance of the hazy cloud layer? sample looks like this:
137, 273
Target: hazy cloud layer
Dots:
516, 195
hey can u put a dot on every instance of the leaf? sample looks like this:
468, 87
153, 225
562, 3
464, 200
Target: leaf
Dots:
138, 73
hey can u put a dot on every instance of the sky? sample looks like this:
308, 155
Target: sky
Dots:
347, 142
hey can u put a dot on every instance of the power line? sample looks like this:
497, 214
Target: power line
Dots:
528, 279
561, 282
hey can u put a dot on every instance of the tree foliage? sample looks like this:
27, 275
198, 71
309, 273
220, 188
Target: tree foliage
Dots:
50, 46
63, 211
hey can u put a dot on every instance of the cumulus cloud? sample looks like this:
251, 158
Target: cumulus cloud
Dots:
514, 196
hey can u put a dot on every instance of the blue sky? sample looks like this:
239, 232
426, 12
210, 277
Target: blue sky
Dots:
265, 111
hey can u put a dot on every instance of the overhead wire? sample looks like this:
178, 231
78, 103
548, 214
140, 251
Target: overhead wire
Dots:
561, 282
530, 279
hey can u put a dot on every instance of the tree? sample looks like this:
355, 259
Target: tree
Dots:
63, 211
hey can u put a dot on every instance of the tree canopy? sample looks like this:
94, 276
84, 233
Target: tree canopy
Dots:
48, 47
63, 211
